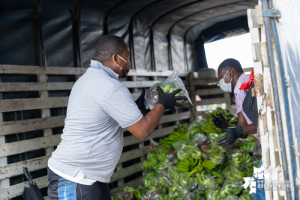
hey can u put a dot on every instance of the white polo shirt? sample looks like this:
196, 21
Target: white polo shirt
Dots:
92, 141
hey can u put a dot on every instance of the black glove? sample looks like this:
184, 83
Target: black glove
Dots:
220, 121
140, 102
168, 100
232, 135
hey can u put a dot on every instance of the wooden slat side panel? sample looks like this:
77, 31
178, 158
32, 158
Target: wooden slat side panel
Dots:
136, 153
15, 169
33, 103
205, 81
205, 92
157, 133
35, 86
48, 86
126, 172
25, 69
21, 126
16, 190
28, 145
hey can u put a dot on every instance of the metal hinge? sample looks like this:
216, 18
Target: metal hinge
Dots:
272, 13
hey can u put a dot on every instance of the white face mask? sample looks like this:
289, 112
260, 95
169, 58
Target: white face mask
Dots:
226, 87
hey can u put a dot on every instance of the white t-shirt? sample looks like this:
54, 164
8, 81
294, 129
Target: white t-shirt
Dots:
92, 141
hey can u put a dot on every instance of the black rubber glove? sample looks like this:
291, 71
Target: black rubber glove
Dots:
168, 100
232, 135
220, 121
140, 102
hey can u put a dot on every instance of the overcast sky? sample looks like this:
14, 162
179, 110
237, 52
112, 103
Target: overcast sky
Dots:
238, 47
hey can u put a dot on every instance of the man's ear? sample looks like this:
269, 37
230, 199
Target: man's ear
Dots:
231, 72
114, 57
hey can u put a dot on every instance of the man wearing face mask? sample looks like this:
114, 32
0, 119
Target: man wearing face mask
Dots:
232, 77
99, 107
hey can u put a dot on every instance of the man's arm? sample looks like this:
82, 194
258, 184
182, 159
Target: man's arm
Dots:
247, 129
144, 128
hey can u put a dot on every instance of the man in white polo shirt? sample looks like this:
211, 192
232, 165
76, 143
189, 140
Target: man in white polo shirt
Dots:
99, 107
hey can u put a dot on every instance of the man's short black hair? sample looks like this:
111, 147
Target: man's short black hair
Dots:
231, 63
107, 46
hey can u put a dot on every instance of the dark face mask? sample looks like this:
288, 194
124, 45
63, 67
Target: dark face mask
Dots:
125, 70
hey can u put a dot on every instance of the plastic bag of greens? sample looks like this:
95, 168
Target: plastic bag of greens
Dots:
257, 149
250, 165
149, 164
177, 192
231, 197
194, 196
234, 172
213, 193
246, 197
125, 193
172, 83
231, 187
156, 180
138, 192
212, 158
197, 136
195, 123
153, 195
189, 151
208, 180
238, 157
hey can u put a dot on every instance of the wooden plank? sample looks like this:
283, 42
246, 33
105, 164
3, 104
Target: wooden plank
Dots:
256, 51
212, 101
129, 155
255, 35
259, 17
35, 86
16, 190
126, 172
174, 117
205, 92
135, 84
156, 133
38, 103
28, 145
33, 103
15, 169
134, 183
248, 69
205, 81
155, 73
21, 126
26, 69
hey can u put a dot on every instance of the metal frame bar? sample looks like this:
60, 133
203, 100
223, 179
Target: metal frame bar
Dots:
130, 30
38, 11
76, 31
185, 34
106, 15
153, 23
174, 24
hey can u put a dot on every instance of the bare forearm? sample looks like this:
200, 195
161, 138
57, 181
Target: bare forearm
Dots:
249, 129
152, 118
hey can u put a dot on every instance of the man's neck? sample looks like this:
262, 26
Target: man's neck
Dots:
235, 79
